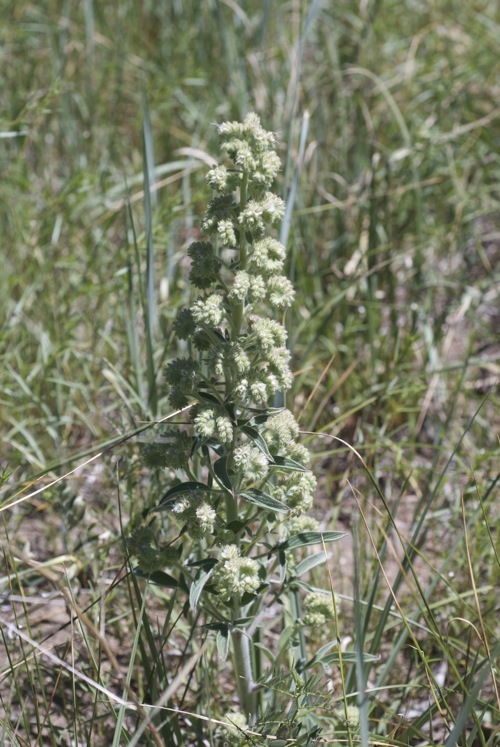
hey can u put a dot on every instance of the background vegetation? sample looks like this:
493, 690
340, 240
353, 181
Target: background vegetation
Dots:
388, 118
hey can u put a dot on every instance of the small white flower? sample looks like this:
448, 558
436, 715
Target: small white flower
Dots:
273, 207
241, 389
268, 333
217, 178
318, 609
239, 358
251, 217
258, 392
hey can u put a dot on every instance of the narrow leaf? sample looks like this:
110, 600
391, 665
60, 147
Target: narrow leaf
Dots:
159, 578
185, 487
258, 440
220, 469
223, 643
208, 397
264, 500
287, 463
201, 579
307, 538
349, 657
310, 562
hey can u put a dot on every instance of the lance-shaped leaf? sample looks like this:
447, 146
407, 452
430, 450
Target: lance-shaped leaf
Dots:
191, 488
160, 578
200, 580
258, 440
306, 538
349, 657
287, 463
310, 562
223, 643
263, 500
221, 473
208, 397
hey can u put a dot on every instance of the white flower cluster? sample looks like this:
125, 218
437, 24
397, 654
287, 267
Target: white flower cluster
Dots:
235, 575
208, 423
208, 310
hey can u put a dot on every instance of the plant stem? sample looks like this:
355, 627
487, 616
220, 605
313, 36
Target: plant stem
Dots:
238, 313
244, 675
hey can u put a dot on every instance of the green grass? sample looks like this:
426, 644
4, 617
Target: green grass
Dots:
394, 241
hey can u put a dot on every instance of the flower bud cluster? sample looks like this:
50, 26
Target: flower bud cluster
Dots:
318, 609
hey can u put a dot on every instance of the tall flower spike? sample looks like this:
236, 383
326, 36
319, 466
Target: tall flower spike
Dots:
241, 460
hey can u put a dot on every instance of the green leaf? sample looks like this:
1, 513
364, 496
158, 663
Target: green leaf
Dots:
263, 500
223, 643
263, 416
208, 397
181, 489
221, 473
285, 639
349, 657
307, 538
310, 562
258, 440
200, 580
160, 578
287, 463
283, 565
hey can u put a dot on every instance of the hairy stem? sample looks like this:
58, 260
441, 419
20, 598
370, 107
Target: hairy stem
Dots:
244, 675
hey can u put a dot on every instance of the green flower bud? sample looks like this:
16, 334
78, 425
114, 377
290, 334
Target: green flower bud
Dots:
224, 429
182, 374
241, 286
226, 233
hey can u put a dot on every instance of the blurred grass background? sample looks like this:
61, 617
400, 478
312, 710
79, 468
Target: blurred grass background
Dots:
387, 115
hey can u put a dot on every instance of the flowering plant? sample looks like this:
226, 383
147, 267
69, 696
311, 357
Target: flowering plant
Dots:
242, 483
